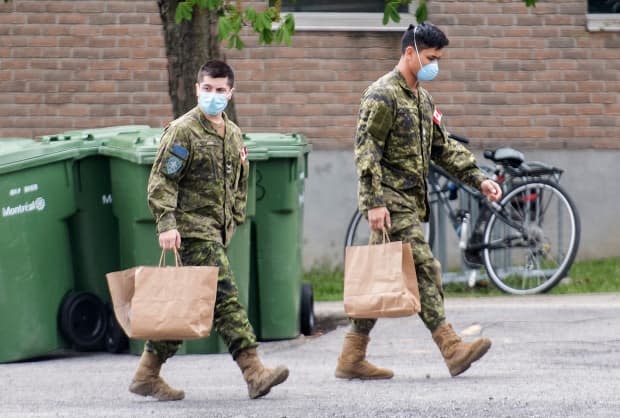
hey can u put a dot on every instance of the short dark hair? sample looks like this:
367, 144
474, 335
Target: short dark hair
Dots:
216, 69
426, 36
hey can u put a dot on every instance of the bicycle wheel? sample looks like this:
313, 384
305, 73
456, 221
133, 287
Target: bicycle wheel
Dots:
536, 257
358, 231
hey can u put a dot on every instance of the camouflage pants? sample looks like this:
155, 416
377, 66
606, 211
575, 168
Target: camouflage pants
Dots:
230, 318
407, 228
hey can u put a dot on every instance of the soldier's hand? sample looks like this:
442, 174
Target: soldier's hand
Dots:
491, 190
379, 219
170, 239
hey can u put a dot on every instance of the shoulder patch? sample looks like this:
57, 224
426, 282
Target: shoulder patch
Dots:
179, 151
437, 116
173, 164
243, 153
378, 119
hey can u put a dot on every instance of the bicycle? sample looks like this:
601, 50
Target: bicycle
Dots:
526, 242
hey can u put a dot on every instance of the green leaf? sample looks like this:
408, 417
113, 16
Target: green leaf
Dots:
390, 11
214, 4
257, 24
183, 12
272, 14
289, 24
394, 15
224, 28
250, 14
287, 37
280, 35
530, 3
236, 22
263, 21
386, 15
265, 36
235, 42
421, 13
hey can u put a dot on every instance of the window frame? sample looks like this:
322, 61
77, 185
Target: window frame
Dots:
602, 21
351, 21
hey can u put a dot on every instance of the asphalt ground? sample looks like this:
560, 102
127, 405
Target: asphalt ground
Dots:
552, 356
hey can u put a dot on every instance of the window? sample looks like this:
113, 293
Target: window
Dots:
342, 6
603, 6
603, 15
345, 15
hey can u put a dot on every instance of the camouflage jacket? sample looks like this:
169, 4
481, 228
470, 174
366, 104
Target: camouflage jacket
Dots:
399, 131
199, 180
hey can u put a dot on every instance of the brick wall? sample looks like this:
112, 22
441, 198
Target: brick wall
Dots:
529, 77
80, 64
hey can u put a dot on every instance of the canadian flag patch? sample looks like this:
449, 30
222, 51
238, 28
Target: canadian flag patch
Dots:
437, 116
243, 153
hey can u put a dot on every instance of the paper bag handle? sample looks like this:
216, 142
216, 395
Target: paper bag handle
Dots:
386, 237
177, 258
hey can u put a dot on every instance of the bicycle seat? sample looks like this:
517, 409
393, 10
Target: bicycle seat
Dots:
505, 156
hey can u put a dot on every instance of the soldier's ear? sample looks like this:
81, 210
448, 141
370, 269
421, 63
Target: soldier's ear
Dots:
409, 52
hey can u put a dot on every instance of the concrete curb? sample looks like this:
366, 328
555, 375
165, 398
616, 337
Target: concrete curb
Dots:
326, 310
333, 311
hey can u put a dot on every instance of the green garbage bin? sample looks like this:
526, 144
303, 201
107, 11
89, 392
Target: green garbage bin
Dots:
93, 228
278, 221
36, 196
93, 231
239, 250
131, 157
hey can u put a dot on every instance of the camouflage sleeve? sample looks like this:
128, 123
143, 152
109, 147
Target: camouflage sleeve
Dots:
454, 157
373, 126
241, 195
168, 169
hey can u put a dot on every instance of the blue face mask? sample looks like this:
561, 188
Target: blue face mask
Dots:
426, 72
212, 103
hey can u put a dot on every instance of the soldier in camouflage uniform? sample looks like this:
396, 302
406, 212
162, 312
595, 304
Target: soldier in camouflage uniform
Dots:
197, 193
399, 131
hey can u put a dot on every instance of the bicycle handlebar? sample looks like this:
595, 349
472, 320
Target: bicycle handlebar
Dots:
515, 162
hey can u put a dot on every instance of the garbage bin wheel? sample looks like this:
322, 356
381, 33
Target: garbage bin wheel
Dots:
307, 309
115, 339
83, 320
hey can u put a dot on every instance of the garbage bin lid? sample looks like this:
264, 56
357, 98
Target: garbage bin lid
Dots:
139, 147
19, 153
89, 140
279, 145
255, 151
8, 145
100, 134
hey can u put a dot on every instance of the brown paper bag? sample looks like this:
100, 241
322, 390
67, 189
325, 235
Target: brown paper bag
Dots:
164, 303
380, 281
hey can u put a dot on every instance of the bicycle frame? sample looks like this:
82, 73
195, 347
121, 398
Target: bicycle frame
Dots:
438, 195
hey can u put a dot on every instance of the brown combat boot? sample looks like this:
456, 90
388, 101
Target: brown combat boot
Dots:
147, 382
260, 379
352, 363
457, 354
